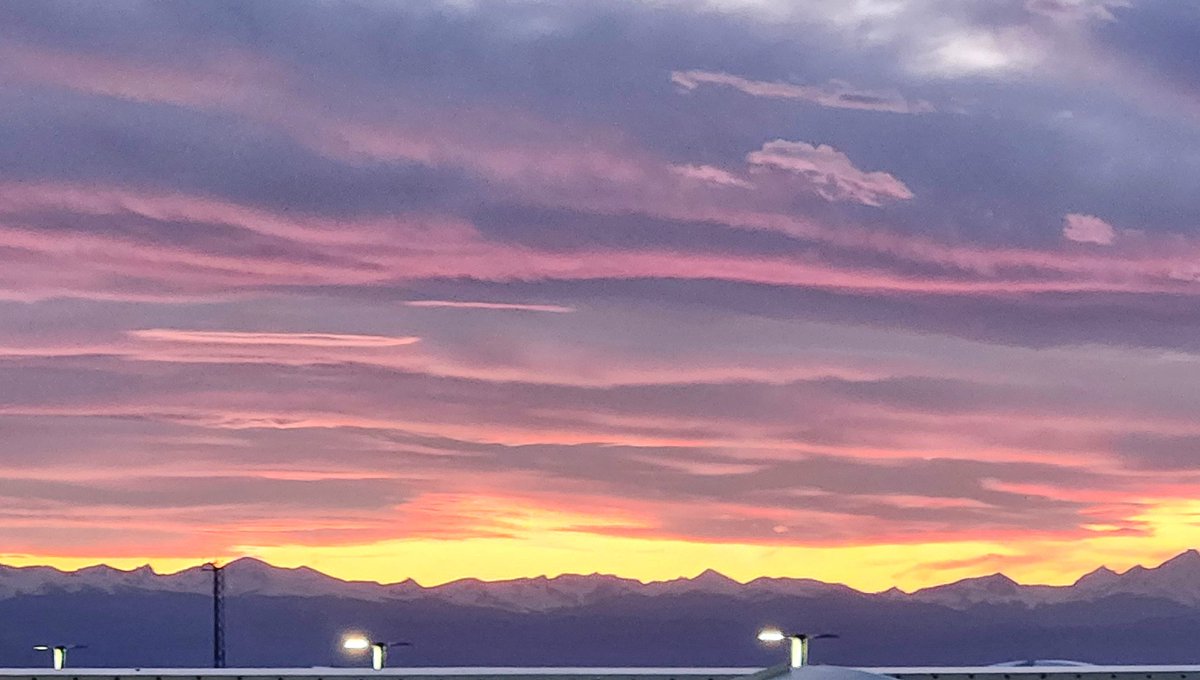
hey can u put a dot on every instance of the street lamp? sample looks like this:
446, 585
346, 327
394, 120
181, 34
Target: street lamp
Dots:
59, 653
379, 650
799, 651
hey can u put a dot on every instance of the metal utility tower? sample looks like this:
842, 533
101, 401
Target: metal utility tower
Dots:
218, 601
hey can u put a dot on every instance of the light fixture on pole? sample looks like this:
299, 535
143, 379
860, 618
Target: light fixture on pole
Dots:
379, 650
59, 653
799, 643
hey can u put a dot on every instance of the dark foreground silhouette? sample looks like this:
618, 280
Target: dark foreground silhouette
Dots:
297, 617
167, 629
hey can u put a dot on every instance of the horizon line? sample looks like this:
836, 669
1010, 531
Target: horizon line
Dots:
546, 576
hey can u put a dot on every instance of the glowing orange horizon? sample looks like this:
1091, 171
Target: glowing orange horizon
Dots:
541, 551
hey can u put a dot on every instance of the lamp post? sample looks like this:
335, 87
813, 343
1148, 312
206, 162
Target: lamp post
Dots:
379, 650
59, 653
218, 621
799, 643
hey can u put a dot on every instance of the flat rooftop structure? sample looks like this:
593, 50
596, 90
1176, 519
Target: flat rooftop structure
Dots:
1083, 672
396, 673
1086, 672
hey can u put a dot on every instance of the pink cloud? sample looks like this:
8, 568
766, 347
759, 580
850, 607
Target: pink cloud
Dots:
835, 94
830, 172
250, 403
270, 383
713, 175
403, 249
500, 306
1006, 426
228, 76
505, 145
544, 163
1088, 229
379, 251
338, 340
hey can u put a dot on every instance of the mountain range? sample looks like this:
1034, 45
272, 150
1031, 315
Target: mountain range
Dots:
296, 617
1176, 580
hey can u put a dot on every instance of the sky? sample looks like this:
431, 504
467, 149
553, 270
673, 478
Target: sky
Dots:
882, 292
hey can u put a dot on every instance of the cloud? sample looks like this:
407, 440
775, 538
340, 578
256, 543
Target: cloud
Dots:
1088, 229
150, 262
870, 450
1154, 451
620, 180
1076, 10
710, 174
830, 172
338, 340
497, 306
979, 51
835, 94
225, 245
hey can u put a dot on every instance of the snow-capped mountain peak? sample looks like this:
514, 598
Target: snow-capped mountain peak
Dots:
1177, 580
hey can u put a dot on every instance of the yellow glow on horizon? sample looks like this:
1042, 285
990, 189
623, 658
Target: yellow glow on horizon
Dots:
162, 565
643, 559
1171, 527
538, 547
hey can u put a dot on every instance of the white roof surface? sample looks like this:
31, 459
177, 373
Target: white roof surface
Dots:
815, 672
1030, 670
582, 671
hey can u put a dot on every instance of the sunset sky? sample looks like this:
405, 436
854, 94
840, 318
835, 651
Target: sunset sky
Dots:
885, 292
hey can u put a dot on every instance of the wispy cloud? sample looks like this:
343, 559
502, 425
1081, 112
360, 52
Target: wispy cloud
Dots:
712, 175
497, 306
113, 263
256, 338
1076, 10
835, 94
